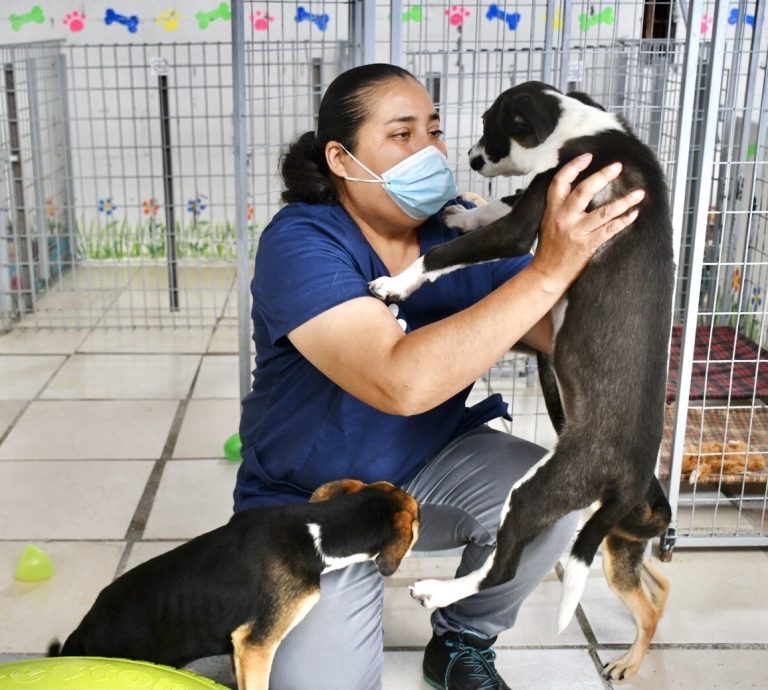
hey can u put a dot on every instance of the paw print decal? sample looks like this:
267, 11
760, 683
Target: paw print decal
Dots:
261, 20
456, 15
75, 21
395, 309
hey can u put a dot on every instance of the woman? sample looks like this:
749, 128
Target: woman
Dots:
346, 386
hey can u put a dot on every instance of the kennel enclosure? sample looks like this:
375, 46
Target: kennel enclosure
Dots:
138, 172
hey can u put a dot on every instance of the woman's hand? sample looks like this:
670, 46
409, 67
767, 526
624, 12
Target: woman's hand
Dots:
569, 235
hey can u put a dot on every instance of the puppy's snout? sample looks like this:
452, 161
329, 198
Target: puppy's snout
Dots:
476, 162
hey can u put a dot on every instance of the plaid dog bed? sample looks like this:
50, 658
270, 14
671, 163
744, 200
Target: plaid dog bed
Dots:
725, 365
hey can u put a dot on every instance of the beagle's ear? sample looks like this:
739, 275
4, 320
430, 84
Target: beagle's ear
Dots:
406, 531
335, 489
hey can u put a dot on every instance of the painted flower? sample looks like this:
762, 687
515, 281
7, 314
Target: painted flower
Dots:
196, 206
249, 212
107, 206
757, 299
150, 207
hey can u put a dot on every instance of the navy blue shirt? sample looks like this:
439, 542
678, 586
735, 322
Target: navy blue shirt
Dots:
298, 428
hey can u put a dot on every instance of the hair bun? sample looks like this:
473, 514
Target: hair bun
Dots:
305, 173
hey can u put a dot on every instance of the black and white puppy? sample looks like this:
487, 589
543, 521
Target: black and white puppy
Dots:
243, 587
609, 361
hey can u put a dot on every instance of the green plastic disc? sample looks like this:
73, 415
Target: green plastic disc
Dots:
96, 673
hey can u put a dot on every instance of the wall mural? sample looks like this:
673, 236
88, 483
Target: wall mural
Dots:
25, 19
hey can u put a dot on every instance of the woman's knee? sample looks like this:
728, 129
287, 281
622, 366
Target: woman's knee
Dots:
339, 645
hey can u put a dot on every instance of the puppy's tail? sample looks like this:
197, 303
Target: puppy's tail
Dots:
54, 649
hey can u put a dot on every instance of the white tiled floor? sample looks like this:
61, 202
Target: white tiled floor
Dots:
91, 420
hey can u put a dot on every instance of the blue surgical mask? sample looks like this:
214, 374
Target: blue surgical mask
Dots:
420, 185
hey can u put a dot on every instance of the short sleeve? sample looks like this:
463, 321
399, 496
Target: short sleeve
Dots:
301, 271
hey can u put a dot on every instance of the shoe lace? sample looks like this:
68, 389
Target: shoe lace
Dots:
478, 664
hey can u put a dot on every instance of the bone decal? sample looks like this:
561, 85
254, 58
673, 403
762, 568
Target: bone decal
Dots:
734, 15
587, 21
413, 14
34, 16
223, 12
512, 19
319, 20
131, 23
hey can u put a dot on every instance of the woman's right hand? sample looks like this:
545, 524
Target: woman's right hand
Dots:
569, 235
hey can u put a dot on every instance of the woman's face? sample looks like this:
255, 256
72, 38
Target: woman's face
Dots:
401, 121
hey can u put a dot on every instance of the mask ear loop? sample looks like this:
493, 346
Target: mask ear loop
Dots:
378, 180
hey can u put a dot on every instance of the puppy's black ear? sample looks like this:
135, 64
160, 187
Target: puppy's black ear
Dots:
529, 120
586, 100
331, 490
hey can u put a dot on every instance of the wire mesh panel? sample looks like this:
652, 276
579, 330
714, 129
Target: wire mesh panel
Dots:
121, 184
635, 59
152, 141
292, 52
118, 166
39, 237
721, 440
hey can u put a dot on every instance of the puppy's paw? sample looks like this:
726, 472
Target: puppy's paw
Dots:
424, 592
460, 218
399, 287
436, 593
621, 668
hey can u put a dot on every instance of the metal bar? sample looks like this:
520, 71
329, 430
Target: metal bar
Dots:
38, 175
69, 186
701, 208
396, 32
368, 36
241, 199
565, 46
547, 65
170, 229
710, 541
25, 289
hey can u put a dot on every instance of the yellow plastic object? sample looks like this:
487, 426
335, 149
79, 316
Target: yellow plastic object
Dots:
96, 673
34, 565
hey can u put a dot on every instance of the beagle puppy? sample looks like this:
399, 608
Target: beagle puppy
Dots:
243, 587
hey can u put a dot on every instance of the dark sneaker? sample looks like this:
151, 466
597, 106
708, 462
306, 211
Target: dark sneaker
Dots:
461, 661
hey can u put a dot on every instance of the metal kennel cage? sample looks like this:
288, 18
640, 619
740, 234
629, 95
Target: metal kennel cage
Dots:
691, 80
136, 177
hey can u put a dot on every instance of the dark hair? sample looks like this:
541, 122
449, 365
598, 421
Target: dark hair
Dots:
343, 110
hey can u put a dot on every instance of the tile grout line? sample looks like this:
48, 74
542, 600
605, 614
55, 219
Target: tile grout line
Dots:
66, 357
589, 634
135, 531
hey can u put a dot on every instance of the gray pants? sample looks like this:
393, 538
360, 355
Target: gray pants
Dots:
339, 645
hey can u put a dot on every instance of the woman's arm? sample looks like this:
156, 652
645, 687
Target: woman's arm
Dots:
361, 347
